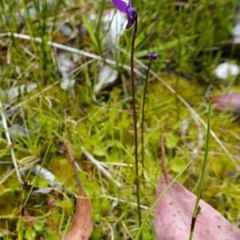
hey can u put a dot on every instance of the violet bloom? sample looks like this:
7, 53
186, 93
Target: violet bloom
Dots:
126, 7
152, 56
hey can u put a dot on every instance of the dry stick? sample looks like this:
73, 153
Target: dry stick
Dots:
134, 33
10, 144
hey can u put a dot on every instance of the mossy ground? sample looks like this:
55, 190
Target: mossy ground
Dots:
180, 32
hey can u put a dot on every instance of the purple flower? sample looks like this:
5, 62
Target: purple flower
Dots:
121, 5
126, 7
152, 56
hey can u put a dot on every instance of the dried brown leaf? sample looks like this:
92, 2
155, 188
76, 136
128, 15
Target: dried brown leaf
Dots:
82, 223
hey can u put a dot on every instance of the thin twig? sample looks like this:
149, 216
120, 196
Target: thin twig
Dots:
10, 145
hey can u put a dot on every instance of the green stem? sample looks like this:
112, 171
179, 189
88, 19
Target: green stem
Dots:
143, 105
197, 208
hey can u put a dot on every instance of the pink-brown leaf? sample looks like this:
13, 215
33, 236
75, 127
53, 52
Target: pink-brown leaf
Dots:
173, 214
82, 223
229, 102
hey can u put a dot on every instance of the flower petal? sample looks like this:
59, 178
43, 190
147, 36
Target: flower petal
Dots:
132, 16
122, 5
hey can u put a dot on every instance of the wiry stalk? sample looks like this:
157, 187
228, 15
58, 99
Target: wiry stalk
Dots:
197, 208
143, 105
135, 121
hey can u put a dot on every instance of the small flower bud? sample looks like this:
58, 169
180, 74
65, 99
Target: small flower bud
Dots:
152, 56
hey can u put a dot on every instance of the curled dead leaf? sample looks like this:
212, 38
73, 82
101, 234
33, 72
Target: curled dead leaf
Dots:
82, 223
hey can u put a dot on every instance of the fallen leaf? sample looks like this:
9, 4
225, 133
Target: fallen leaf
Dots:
82, 223
229, 102
173, 215
66, 66
113, 26
106, 76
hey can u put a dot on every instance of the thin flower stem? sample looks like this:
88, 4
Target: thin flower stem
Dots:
135, 121
197, 208
143, 105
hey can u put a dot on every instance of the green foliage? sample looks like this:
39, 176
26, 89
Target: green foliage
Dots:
177, 165
171, 141
180, 34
